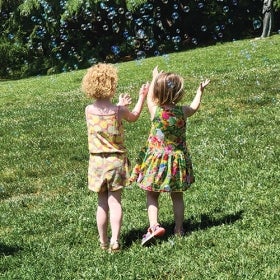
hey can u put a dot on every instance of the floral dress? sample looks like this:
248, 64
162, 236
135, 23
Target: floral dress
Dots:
164, 164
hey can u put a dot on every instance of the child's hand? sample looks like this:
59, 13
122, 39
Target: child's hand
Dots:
156, 72
144, 89
124, 99
204, 84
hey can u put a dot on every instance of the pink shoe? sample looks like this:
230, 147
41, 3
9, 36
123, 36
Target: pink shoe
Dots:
154, 231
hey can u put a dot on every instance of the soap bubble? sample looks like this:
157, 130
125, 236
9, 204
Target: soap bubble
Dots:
194, 41
105, 27
140, 34
257, 24
186, 9
175, 15
115, 50
225, 9
203, 28
140, 55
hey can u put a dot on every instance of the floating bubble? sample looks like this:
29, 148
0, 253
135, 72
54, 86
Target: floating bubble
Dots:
225, 9
125, 34
156, 53
115, 50
164, 1
203, 28
105, 27
128, 15
92, 60
111, 15
140, 55
257, 24
115, 28
159, 24
200, 5
121, 11
194, 41
58, 56
140, 34
150, 6
186, 9
151, 43
217, 28
176, 39
103, 6
139, 21
11, 36
175, 6
175, 15
151, 21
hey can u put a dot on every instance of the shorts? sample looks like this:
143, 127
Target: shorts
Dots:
108, 172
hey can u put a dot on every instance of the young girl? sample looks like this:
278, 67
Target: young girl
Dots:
164, 165
108, 162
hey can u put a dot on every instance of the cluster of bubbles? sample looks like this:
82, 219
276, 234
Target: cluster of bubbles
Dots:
143, 31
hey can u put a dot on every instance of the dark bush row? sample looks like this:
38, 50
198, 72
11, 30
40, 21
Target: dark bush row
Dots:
50, 36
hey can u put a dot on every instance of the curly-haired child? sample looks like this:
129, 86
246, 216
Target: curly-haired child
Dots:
108, 169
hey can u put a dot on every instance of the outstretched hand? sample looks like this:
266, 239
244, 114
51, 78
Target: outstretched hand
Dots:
156, 72
124, 99
144, 89
204, 84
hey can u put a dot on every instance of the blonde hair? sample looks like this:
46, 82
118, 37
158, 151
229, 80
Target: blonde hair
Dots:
168, 89
100, 81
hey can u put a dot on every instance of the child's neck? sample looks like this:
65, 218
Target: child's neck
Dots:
168, 105
102, 102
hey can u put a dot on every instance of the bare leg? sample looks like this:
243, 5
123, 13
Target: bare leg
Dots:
114, 201
178, 209
152, 205
102, 216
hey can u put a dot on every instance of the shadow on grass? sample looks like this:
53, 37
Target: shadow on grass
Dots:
190, 226
6, 250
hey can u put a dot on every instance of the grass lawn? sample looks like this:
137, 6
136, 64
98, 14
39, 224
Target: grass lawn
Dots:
48, 228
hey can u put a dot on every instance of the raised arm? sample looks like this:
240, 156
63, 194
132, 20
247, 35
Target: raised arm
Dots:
150, 101
135, 113
193, 107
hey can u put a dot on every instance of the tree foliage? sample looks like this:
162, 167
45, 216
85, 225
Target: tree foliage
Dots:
49, 36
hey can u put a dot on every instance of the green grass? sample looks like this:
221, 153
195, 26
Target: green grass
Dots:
48, 228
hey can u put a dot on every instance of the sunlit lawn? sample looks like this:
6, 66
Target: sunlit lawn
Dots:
48, 228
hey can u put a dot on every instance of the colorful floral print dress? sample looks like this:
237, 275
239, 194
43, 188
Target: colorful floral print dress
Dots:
164, 164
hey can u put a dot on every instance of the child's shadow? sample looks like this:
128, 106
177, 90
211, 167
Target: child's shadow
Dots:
190, 225
6, 250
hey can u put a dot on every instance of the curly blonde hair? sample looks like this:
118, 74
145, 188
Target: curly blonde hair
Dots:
100, 81
168, 89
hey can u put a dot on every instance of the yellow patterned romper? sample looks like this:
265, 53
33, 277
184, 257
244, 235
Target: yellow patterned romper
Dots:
108, 162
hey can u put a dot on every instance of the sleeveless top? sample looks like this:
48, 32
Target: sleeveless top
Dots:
105, 134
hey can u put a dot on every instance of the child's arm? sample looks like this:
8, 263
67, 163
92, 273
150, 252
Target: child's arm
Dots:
150, 101
134, 115
193, 107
